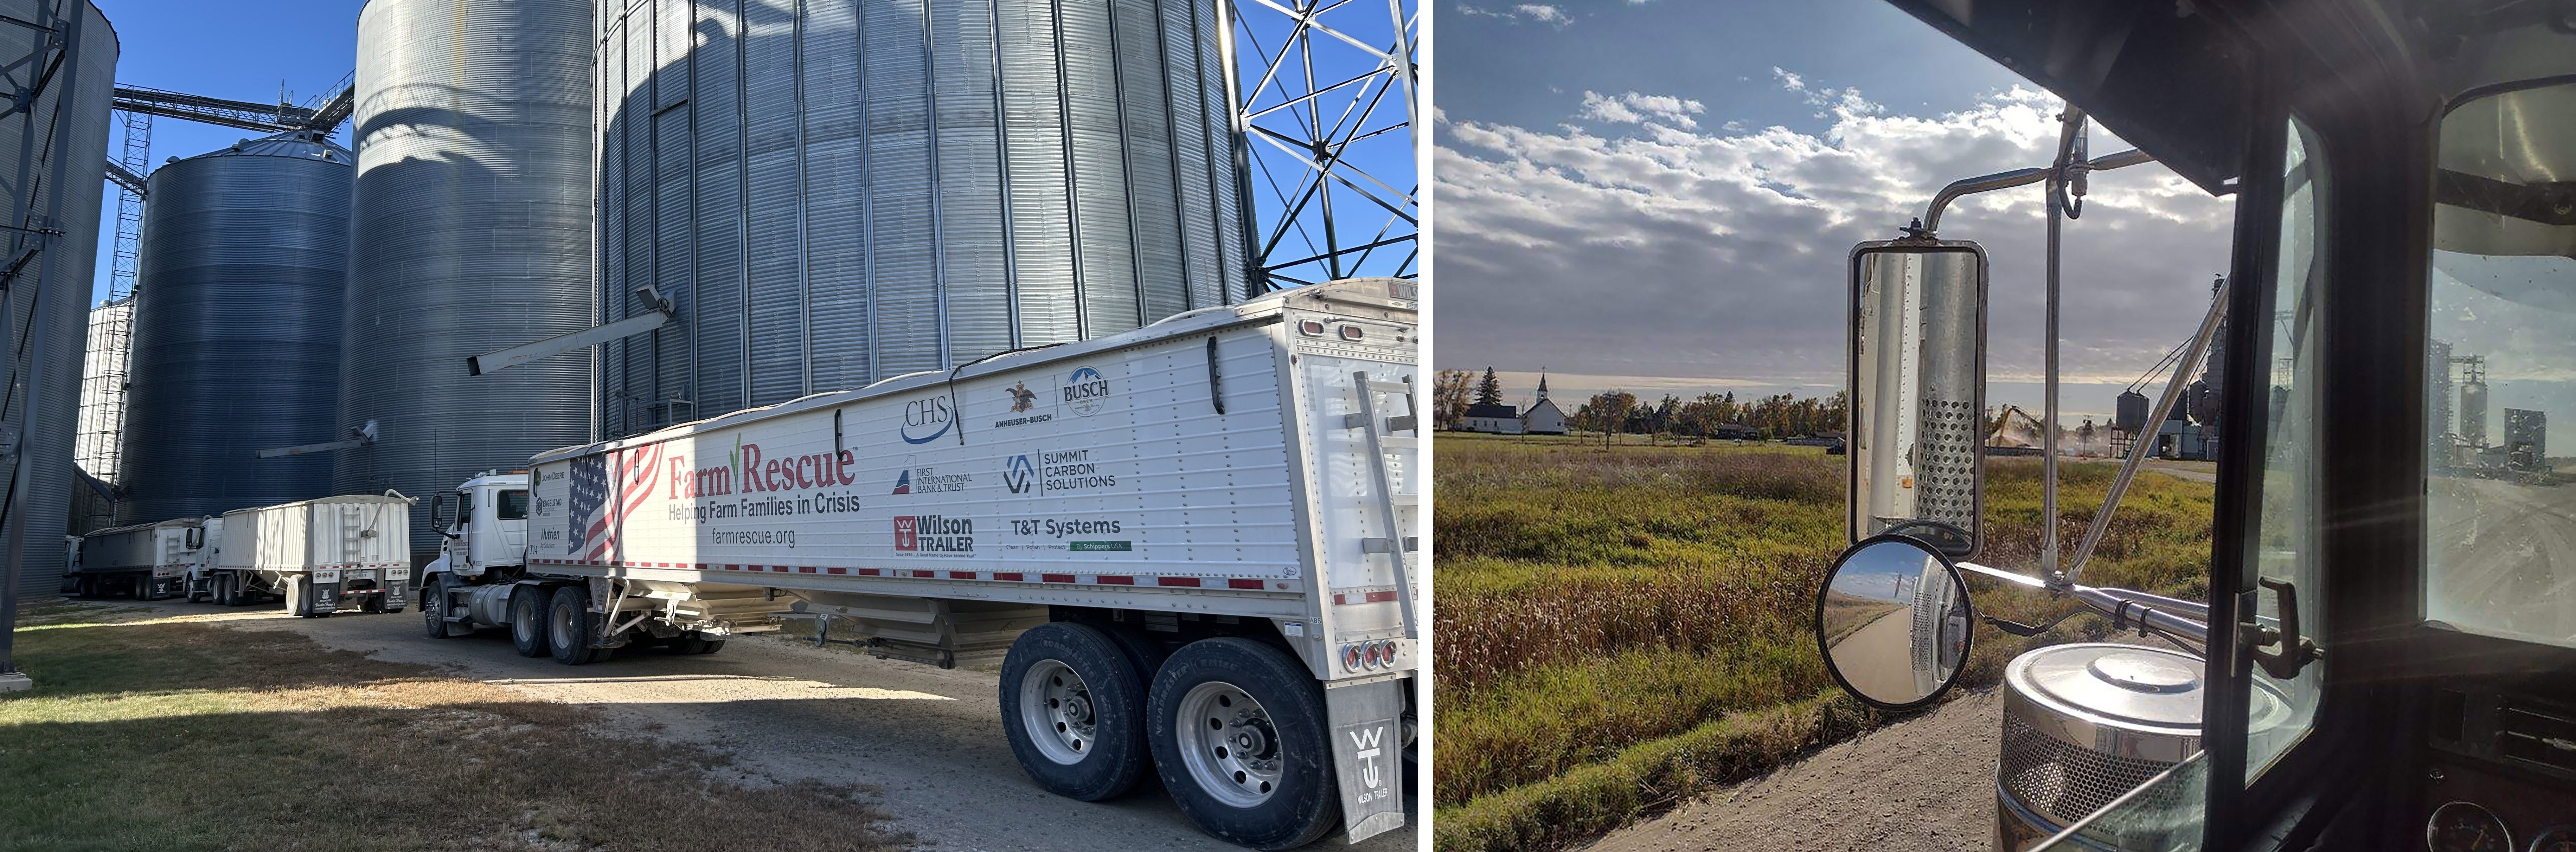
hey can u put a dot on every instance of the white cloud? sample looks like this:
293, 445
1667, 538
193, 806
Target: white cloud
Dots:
1535, 12
1634, 108
1647, 246
1544, 13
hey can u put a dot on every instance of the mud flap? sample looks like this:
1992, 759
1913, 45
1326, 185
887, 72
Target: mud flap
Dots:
321, 592
1368, 755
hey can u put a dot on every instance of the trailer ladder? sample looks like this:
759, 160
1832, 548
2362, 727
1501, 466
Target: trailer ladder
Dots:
1395, 544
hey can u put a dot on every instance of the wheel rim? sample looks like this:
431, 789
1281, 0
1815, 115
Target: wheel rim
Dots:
435, 615
1229, 743
1057, 709
523, 618
559, 627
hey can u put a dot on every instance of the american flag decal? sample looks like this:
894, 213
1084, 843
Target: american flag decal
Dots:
589, 492
601, 502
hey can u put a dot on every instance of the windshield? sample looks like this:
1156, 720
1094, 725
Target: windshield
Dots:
2500, 365
513, 506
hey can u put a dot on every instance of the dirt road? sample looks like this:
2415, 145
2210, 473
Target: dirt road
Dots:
1926, 784
931, 739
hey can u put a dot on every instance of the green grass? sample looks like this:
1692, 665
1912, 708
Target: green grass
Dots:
175, 735
1610, 619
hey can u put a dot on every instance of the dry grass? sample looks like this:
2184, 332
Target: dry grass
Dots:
1598, 609
191, 736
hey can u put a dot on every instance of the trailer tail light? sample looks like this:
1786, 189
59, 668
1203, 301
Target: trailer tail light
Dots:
1351, 657
1353, 332
1310, 328
1384, 653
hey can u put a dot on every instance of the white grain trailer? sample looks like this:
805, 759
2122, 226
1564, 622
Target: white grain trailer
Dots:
1195, 540
146, 561
322, 556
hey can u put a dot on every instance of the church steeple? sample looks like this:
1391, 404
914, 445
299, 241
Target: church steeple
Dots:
1542, 384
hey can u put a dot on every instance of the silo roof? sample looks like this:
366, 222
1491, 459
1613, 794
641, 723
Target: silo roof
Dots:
297, 144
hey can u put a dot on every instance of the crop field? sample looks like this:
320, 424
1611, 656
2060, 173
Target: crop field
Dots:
1621, 627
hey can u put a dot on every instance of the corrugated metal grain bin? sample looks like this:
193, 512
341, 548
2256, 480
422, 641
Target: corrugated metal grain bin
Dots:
71, 206
241, 284
472, 233
840, 191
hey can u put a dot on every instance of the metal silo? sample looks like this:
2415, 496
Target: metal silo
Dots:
839, 191
472, 232
242, 275
59, 190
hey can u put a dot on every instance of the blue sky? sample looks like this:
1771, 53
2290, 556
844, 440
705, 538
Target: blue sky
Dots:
240, 50
1660, 196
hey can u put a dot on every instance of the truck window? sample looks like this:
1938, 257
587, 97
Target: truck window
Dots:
512, 505
2499, 367
2284, 542
464, 507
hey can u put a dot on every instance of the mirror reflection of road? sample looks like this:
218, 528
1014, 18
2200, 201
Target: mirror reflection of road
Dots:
1874, 657
2504, 556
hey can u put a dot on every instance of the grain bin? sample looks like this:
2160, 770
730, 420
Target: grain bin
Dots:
70, 123
840, 191
240, 284
472, 233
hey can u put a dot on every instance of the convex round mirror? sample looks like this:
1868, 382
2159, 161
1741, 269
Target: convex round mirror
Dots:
1893, 622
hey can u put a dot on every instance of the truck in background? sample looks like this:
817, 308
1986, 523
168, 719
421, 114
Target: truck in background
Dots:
1195, 540
320, 556
147, 561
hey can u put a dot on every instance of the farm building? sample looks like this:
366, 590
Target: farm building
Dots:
1496, 420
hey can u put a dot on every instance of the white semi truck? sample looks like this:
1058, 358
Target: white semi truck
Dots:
321, 555
146, 561
1196, 541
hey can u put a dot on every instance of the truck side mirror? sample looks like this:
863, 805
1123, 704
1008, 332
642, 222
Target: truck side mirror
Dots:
438, 515
1918, 392
1893, 622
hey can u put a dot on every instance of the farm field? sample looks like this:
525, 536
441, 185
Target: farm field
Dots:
1622, 627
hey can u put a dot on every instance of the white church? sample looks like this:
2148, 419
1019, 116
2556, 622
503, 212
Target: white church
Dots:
1542, 417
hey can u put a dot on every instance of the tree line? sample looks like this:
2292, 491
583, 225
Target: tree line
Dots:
1770, 416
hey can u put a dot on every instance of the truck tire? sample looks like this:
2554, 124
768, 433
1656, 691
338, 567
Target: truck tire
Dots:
569, 626
434, 609
141, 588
1240, 740
85, 587
528, 620
236, 592
694, 642
1074, 711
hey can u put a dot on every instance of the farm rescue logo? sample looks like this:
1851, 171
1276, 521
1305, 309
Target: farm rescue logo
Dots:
749, 470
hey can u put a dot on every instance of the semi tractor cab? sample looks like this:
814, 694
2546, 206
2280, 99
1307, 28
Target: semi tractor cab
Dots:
1191, 546
2387, 659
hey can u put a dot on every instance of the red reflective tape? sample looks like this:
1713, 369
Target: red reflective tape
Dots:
1114, 580
869, 572
1192, 582
1055, 578
1381, 597
925, 574
733, 567
804, 569
1243, 584
837, 570
778, 568
961, 575
1013, 577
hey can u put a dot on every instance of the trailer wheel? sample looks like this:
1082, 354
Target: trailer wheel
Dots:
1073, 710
569, 625
694, 642
236, 590
1240, 740
528, 620
142, 588
435, 607
85, 586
